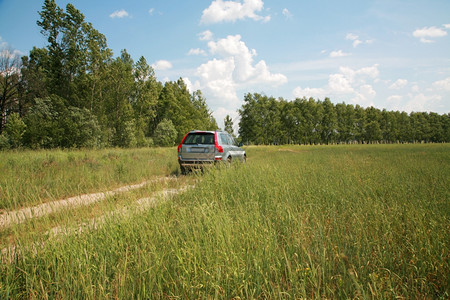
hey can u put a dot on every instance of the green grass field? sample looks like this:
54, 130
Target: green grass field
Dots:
364, 221
33, 177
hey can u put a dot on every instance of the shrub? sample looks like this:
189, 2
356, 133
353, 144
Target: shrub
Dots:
165, 133
15, 128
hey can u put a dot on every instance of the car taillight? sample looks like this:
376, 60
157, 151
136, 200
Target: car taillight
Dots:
182, 141
216, 144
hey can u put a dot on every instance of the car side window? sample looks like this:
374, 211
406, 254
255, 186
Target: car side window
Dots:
224, 139
232, 141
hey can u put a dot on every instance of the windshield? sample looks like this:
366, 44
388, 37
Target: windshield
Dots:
200, 138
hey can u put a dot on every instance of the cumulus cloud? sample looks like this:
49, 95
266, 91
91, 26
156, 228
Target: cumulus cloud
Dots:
442, 84
230, 11
119, 14
191, 86
206, 35
244, 69
196, 51
356, 40
162, 65
220, 114
8, 52
217, 77
421, 102
287, 13
398, 84
318, 93
428, 34
340, 84
233, 67
352, 84
338, 53
395, 98
151, 11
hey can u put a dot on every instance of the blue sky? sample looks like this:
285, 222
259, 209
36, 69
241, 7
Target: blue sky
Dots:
388, 54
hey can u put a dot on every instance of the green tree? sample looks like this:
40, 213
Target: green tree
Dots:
372, 132
15, 128
345, 115
144, 97
9, 83
360, 124
228, 124
165, 133
50, 124
329, 122
201, 114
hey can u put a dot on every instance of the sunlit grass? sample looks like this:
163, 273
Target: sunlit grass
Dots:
293, 222
29, 178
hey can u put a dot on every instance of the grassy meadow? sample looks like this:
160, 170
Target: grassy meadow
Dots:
33, 177
356, 221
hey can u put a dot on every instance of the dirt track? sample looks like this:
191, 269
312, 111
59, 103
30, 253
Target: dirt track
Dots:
19, 216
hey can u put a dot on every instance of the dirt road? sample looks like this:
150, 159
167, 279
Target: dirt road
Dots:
21, 215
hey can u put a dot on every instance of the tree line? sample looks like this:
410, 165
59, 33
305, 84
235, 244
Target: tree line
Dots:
74, 93
266, 120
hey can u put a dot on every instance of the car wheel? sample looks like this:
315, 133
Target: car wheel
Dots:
183, 170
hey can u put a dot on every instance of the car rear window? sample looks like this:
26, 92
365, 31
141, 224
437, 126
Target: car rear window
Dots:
200, 138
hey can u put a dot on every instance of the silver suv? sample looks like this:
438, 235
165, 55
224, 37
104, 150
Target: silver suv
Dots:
199, 148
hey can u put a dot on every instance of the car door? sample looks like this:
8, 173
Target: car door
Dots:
237, 152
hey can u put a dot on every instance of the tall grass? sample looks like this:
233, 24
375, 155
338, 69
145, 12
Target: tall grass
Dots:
303, 222
32, 177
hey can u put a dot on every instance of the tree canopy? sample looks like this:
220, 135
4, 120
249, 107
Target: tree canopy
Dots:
266, 120
74, 93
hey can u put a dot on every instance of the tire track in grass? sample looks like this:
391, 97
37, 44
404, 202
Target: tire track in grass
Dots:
21, 215
9, 253
139, 205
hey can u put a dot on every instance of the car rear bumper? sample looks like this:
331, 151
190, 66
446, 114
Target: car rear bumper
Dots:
199, 163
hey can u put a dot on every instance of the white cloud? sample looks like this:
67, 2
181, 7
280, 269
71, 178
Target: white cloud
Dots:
119, 14
318, 93
217, 78
356, 40
230, 11
395, 98
192, 87
398, 84
232, 69
244, 72
196, 51
151, 11
425, 34
8, 52
162, 65
338, 53
421, 102
368, 91
371, 72
220, 114
205, 35
287, 13
350, 84
442, 84
351, 37
340, 84
446, 26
